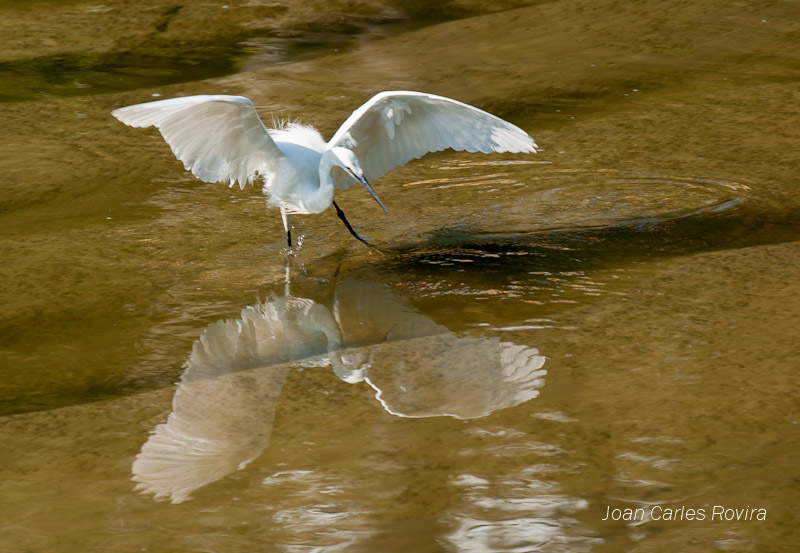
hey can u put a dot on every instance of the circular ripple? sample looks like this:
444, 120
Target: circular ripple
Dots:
583, 199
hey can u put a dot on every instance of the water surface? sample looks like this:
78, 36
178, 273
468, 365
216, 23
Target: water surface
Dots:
610, 323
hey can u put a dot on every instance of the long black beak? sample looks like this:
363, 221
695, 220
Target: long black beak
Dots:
363, 182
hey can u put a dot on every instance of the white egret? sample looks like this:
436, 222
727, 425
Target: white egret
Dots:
222, 139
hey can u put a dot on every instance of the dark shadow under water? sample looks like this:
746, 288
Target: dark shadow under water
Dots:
558, 250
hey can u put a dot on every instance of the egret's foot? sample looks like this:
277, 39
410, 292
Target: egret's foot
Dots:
381, 250
340, 213
367, 244
289, 239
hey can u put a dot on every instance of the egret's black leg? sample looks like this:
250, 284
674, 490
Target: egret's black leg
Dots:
340, 213
287, 226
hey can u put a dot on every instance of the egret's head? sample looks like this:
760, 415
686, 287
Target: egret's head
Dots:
348, 161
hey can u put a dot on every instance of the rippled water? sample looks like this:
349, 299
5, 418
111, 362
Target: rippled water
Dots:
535, 341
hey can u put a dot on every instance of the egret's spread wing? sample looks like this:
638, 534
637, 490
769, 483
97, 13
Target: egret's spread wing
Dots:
393, 128
218, 138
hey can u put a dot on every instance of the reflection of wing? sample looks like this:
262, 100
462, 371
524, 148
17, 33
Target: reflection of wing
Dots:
464, 378
421, 369
223, 410
368, 314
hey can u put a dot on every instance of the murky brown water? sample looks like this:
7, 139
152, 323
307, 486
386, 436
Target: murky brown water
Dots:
611, 323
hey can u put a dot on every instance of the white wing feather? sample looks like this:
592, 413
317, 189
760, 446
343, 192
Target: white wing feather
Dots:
218, 138
393, 128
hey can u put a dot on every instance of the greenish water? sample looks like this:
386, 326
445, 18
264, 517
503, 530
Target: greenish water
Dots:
611, 323
163, 43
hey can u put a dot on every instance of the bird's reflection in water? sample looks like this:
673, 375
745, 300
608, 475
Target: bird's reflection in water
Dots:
224, 406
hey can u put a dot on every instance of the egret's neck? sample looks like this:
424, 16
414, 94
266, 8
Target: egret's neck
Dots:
326, 165
309, 192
